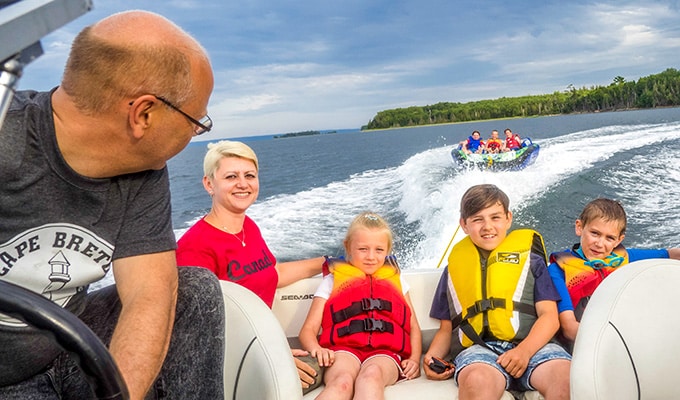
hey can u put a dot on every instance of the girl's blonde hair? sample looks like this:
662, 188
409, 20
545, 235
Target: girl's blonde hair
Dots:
226, 148
368, 220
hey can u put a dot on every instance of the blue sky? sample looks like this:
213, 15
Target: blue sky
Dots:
286, 66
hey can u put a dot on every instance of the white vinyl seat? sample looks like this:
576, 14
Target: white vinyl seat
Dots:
626, 346
292, 303
257, 362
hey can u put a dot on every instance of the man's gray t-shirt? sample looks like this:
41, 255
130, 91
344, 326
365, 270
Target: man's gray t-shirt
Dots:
60, 231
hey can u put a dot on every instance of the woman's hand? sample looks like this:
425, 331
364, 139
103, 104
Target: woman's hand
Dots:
306, 373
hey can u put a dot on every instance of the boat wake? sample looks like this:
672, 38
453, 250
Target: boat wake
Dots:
421, 197
630, 163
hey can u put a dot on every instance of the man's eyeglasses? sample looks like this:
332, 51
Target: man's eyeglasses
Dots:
202, 126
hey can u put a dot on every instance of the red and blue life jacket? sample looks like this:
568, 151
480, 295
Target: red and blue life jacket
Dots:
584, 276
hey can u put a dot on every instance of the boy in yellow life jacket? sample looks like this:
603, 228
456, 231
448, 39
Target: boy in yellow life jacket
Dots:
578, 271
497, 291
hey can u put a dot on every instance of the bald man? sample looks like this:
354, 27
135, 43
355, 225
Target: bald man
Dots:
84, 189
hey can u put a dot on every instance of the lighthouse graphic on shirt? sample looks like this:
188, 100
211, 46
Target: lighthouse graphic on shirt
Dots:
54, 260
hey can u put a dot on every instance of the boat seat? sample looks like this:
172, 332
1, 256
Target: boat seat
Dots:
625, 347
292, 302
257, 359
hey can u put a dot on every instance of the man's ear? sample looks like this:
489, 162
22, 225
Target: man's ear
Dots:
139, 114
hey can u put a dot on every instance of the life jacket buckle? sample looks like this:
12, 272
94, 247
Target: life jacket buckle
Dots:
483, 305
372, 324
491, 303
371, 304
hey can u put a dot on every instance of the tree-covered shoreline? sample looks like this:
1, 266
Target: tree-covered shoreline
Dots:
659, 90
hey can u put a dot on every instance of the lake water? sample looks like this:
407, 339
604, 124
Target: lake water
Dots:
312, 186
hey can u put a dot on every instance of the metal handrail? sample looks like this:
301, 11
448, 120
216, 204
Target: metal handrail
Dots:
22, 26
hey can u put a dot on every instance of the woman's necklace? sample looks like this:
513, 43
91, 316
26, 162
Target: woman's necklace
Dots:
243, 241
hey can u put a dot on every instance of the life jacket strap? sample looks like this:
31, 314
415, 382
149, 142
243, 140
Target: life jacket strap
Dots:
525, 308
366, 325
359, 307
483, 305
469, 331
477, 308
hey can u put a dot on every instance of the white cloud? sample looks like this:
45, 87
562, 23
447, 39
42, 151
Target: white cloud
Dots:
290, 66
247, 103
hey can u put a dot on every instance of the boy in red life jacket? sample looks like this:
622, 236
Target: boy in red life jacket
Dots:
366, 318
578, 271
497, 291
512, 141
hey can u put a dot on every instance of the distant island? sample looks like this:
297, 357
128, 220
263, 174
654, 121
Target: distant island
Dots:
303, 133
660, 90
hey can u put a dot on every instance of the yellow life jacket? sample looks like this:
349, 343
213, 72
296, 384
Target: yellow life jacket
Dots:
494, 300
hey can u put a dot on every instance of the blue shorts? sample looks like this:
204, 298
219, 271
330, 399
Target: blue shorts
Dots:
480, 354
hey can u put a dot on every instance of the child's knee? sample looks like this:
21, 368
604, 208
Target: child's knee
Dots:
553, 374
343, 382
479, 376
371, 373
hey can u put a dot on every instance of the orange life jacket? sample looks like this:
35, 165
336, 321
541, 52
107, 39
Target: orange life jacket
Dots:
584, 276
494, 144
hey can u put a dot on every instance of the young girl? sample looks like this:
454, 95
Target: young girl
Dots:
370, 336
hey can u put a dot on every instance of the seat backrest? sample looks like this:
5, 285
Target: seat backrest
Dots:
257, 362
626, 347
292, 302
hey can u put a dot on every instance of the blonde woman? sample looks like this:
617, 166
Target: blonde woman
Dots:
229, 243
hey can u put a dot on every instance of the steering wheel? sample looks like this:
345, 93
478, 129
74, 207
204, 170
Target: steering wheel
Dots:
70, 333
